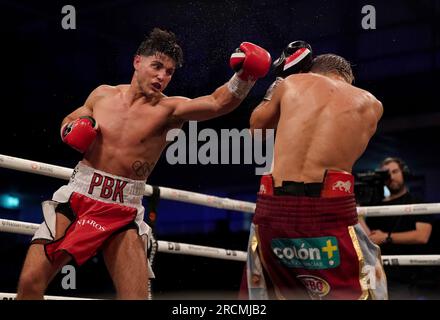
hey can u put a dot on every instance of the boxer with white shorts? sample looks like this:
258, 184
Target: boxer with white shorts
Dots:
122, 132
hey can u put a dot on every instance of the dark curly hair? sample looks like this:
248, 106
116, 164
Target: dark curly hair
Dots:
161, 41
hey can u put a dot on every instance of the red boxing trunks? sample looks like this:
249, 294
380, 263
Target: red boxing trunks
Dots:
311, 245
98, 205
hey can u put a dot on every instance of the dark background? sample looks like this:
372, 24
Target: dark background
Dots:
47, 71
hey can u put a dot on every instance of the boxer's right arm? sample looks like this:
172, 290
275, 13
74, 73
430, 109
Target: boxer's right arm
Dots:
78, 129
296, 58
250, 62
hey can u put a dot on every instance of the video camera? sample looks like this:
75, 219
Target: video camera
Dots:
369, 187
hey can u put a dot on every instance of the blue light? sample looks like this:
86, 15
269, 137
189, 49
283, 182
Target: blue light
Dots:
386, 192
9, 202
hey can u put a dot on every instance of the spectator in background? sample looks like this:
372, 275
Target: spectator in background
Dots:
402, 235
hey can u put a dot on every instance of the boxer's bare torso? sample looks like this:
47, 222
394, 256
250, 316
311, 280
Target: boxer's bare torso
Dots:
322, 123
134, 119
131, 137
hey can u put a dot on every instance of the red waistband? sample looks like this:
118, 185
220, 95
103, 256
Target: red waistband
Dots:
335, 183
306, 212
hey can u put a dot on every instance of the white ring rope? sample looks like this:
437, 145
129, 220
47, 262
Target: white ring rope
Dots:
35, 167
27, 228
207, 200
398, 260
399, 210
211, 201
165, 193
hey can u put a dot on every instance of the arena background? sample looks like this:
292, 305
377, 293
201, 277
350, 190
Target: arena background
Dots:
47, 71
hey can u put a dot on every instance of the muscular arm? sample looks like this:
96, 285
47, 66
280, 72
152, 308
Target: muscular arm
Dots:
420, 235
267, 113
87, 108
250, 62
220, 102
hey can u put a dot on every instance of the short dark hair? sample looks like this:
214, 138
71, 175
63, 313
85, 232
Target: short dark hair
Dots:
332, 63
161, 41
402, 165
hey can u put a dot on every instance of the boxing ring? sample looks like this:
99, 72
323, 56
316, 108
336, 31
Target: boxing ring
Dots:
34, 167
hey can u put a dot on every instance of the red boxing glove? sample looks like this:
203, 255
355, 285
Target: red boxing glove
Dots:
250, 62
79, 134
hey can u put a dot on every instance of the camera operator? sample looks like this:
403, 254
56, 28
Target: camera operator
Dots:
402, 235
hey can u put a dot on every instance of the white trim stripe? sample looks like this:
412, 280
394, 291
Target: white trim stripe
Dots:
296, 60
238, 55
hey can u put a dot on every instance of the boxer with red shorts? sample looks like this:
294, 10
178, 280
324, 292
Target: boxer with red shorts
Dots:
122, 132
97, 205
305, 240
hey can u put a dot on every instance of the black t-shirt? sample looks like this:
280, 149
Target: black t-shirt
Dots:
400, 224
404, 274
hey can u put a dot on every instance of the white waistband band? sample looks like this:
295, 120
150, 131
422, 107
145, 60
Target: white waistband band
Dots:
104, 186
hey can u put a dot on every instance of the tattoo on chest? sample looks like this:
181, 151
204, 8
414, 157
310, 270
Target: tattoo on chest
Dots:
142, 169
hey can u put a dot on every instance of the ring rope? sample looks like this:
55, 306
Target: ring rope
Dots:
399, 210
165, 193
27, 228
210, 201
207, 200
